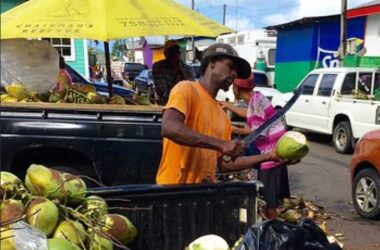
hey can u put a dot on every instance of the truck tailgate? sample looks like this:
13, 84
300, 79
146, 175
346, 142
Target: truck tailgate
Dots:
173, 216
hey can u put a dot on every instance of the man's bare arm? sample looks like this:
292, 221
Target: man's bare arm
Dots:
174, 128
246, 162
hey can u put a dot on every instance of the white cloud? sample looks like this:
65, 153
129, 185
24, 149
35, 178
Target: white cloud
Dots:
238, 24
276, 19
308, 8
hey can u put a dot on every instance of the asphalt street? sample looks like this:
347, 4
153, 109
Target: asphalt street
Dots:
323, 177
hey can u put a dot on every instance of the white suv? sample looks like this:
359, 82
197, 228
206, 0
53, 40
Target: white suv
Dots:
336, 101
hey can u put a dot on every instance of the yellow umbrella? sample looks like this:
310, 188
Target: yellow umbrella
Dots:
105, 19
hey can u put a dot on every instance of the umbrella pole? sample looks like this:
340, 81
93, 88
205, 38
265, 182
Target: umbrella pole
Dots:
108, 68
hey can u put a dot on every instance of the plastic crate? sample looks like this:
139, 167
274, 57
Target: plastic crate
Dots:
174, 216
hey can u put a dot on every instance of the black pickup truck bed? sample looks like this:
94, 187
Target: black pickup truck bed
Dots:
177, 215
114, 144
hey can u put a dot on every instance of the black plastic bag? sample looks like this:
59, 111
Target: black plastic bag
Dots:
279, 235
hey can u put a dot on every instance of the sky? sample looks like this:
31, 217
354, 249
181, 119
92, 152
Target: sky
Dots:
253, 14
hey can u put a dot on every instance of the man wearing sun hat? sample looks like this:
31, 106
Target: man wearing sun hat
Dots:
196, 130
168, 72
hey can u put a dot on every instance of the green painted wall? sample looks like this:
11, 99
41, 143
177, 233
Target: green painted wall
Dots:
8, 4
288, 75
362, 61
79, 63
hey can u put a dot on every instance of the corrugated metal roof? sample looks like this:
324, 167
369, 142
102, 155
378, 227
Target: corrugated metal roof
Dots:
303, 20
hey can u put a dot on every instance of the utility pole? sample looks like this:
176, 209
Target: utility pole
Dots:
192, 38
343, 29
224, 13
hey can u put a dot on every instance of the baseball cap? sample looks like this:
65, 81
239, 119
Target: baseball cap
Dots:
170, 43
247, 83
243, 69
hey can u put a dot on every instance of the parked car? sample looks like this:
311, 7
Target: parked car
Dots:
262, 84
144, 81
101, 87
365, 173
336, 101
131, 70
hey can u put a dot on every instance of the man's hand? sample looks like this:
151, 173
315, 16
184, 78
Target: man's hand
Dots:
225, 105
234, 148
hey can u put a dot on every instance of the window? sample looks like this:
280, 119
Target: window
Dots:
365, 82
220, 40
326, 85
232, 41
240, 39
377, 82
271, 57
260, 80
309, 84
64, 46
349, 84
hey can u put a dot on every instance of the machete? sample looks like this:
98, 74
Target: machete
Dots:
266, 125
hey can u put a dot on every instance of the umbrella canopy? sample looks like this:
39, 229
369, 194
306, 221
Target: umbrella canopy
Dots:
105, 20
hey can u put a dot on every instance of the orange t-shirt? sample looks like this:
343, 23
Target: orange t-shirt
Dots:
183, 164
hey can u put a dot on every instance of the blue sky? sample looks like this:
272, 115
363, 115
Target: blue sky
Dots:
251, 14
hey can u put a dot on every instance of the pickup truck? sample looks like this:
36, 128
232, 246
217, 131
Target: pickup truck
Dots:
113, 144
172, 216
336, 101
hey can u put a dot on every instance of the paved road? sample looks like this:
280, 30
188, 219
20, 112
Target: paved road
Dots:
324, 178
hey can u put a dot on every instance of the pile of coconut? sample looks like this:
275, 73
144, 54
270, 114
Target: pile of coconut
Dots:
50, 210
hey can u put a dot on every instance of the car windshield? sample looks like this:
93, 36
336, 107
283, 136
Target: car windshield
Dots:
261, 80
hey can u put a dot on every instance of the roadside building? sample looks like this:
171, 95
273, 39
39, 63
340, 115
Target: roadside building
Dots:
313, 42
258, 47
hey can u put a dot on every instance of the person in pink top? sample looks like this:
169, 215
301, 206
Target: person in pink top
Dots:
64, 79
274, 175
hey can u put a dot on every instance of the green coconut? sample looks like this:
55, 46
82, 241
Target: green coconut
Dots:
43, 214
291, 216
75, 187
100, 241
94, 205
44, 181
120, 227
210, 241
73, 231
60, 244
11, 209
7, 239
9, 183
292, 146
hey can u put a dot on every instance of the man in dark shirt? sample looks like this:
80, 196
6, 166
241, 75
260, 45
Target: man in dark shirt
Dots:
168, 72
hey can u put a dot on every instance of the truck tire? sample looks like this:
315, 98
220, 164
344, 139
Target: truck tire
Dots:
366, 193
342, 138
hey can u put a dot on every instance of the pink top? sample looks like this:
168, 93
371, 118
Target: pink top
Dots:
64, 80
259, 111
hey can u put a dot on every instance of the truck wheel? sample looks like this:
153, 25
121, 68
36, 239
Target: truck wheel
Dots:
366, 194
342, 137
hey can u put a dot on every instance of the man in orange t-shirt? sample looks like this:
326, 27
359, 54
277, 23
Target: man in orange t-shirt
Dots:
196, 130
